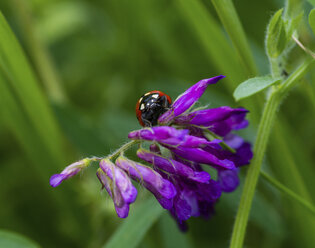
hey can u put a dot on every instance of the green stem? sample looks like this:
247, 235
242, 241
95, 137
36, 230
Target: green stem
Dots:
286, 191
123, 148
222, 143
274, 67
234, 28
295, 76
264, 130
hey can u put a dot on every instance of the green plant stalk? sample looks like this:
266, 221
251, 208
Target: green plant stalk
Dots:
287, 192
122, 149
233, 26
264, 130
296, 76
274, 67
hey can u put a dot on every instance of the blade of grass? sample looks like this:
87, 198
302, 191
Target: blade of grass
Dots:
233, 26
24, 84
26, 113
286, 169
289, 193
132, 230
14, 240
171, 235
40, 57
43, 162
215, 43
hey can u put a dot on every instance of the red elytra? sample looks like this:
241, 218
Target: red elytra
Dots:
150, 106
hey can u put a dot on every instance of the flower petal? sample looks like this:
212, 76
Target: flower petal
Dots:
169, 136
209, 191
203, 157
207, 117
187, 99
153, 181
158, 133
235, 122
122, 209
228, 180
243, 150
173, 166
70, 171
185, 205
57, 179
121, 180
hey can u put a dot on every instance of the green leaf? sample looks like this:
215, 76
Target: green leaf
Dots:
253, 86
13, 240
311, 20
276, 37
293, 24
133, 229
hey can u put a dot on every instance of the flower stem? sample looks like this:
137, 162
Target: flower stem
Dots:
264, 130
254, 169
274, 67
123, 148
222, 143
296, 76
286, 191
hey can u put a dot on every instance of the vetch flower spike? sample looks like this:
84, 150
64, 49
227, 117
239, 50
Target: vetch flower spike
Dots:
185, 141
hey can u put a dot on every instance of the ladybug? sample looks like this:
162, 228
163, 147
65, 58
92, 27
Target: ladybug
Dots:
150, 106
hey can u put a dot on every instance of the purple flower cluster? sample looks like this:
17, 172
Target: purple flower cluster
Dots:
177, 148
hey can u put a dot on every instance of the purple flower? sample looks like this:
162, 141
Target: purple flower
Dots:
169, 136
191, 140
243, 153
220, 120
194, 199
68, 172
162, 189
228, 180
173, 167
118, 185
187, 99
185, 141
201, 156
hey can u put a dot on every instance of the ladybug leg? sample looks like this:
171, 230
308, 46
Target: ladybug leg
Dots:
147, 123
164, 102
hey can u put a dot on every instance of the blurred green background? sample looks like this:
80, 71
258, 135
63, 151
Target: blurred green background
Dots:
73, 95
